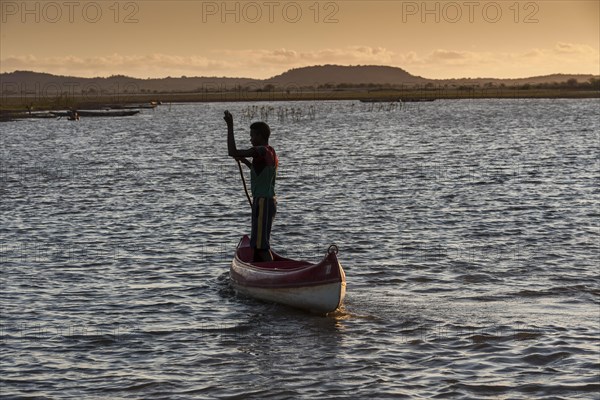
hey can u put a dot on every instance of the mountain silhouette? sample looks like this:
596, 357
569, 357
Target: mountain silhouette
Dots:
21, 82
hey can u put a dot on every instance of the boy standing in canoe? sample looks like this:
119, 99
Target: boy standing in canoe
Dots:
263, 171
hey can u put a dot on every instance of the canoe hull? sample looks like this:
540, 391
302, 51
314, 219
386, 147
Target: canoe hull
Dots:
318, 288
320, 299
98, 113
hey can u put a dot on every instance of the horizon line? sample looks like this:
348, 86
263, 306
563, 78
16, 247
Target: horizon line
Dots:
292, 69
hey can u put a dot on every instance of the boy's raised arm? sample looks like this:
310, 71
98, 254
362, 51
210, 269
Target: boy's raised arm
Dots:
231, 148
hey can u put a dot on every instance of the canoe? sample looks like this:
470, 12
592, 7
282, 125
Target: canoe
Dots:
389, 100
318, 288
133, 106
98, 113
416, 99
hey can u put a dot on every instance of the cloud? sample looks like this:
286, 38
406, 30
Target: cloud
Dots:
446, 58
572, 48
292, 58
138, 65
258, 63
563, 57
533, 53
450, 63
449, 55
264, 63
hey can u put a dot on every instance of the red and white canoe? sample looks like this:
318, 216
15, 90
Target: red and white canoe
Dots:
318, 288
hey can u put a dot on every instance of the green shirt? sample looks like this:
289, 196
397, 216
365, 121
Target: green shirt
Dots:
264, 172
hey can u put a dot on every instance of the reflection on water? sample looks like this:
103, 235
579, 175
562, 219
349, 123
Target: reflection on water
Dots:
468, 231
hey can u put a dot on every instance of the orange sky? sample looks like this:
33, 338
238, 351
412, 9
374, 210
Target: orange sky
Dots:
258, 39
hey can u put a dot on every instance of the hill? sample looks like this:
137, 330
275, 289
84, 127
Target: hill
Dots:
36, 82
27, 83
351, 75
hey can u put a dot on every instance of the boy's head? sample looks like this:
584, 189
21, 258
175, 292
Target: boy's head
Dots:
259, 133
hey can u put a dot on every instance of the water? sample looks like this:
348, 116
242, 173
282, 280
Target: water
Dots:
468, 230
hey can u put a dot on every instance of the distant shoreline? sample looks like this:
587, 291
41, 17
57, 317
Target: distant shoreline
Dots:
16, 106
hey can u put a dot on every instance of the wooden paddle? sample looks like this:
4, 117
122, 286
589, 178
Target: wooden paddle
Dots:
244, 182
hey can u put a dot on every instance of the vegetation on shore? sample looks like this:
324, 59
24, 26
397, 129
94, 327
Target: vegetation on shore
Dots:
15, 103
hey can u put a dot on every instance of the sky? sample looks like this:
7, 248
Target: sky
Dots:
260, 39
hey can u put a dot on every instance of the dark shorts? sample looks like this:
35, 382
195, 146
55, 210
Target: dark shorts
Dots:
263, 213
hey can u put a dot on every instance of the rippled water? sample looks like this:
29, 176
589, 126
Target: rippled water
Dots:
468, 230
